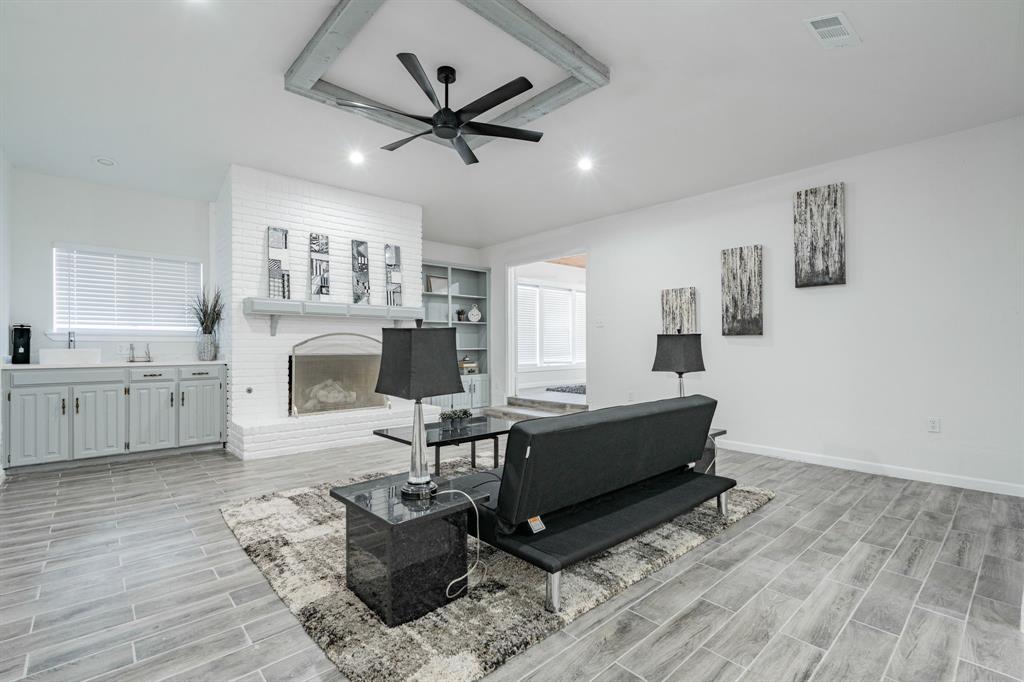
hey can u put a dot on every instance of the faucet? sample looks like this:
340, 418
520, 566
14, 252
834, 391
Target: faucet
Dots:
71, 339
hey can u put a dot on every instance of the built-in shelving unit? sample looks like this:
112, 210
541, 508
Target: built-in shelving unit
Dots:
463, 287
276, 307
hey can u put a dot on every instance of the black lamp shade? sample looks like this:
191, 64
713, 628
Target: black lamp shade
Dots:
679, 353
418, 363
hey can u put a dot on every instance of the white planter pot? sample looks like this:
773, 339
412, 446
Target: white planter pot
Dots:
206, 349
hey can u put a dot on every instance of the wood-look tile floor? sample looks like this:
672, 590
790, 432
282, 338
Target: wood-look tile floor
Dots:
123, 569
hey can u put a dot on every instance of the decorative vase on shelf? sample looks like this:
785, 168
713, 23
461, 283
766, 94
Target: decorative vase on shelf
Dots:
207, 347
474, 314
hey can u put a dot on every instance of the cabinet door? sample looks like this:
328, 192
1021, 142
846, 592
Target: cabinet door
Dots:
482, 394
200, 413
98, 420
40, 425
153, 409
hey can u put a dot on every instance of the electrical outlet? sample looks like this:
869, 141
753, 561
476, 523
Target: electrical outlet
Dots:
630, 397
934, 425
122, 349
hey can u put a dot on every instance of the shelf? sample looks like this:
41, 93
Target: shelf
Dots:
466, 322
471, 349
274, 308
434, 293
475, 296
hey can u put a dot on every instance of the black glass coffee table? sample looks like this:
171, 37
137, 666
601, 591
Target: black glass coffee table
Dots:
476, 429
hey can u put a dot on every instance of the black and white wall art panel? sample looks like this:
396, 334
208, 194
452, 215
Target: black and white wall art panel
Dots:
319, 265
679, 311
819, 235
278, 277
393, 274
742, 291
360, 272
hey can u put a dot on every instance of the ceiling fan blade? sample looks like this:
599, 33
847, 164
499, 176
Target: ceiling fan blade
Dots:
412, 64
501, 131
374, 107
494, 98
464, 151
395, 145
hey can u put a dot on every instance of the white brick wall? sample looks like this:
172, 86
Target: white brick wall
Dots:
258, 423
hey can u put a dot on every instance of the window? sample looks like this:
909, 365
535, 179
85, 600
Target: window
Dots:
101, 289
550, 325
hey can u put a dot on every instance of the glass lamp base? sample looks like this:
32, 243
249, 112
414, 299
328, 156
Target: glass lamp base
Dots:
419, 491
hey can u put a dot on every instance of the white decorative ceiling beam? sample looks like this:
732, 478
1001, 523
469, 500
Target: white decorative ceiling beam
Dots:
339, 28
305, 76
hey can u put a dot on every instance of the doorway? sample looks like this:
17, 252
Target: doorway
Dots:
549, 358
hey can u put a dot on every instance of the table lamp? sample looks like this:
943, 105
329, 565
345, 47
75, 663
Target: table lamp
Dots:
679, 353
416, 364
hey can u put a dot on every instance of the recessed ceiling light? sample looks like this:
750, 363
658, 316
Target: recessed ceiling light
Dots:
356, 158
104, 161
585, 163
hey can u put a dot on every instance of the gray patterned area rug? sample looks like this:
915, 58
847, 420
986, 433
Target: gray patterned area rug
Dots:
297, 539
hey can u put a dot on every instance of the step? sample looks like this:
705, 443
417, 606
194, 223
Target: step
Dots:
518, 413
549, 405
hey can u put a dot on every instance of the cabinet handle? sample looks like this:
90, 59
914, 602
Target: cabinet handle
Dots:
155, 374
172, 398
183, 398
200, 374
76, 405
63, 406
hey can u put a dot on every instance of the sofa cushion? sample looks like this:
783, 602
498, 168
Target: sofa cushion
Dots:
557, 462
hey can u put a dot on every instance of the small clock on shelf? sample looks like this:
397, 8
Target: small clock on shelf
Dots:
474, 314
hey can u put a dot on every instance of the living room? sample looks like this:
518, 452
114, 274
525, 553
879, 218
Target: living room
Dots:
689, 350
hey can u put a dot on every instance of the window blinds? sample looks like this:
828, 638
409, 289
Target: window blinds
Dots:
106, 290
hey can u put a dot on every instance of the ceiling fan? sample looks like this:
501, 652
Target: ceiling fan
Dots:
455, 125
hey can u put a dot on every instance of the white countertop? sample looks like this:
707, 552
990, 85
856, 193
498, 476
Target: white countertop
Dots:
108, 365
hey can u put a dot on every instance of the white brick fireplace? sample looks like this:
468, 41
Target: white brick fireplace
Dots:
250, 201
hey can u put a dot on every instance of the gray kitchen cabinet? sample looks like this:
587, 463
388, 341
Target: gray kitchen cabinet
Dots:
200, 412
98, 420
63, 413
39, 428
154, 415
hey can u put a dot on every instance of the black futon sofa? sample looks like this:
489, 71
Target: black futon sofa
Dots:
596, 479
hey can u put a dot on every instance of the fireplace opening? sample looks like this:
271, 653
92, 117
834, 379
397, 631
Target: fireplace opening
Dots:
334, 372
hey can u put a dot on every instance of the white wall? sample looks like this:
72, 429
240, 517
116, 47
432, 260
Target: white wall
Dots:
5, 254
931, 322
439, 252
48, 209
258, 362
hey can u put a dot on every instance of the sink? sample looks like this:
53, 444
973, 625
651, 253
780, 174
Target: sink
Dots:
69, 356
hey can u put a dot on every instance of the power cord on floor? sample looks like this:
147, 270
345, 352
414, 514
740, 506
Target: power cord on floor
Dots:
465, 587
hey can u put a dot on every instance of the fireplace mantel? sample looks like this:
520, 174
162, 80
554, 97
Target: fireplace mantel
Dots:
276, 307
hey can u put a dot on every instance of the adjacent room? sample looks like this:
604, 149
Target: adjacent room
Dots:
456, 340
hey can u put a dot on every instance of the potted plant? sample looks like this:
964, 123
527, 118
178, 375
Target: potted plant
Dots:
447, 419
461, 417
208, 312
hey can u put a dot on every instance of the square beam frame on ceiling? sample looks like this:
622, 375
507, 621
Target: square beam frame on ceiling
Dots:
586, 73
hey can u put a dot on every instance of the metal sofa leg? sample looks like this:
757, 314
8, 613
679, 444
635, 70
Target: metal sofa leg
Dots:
552, 596
723, 504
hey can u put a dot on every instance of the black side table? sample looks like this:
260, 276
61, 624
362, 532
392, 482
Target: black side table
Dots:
401, 555
476, 429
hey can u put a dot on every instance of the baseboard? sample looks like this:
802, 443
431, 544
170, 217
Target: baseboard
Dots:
986, 484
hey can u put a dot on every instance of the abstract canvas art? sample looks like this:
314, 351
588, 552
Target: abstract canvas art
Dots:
360, 272
319, 266
679, 311
819, 236
393, 274
742, 309
278, 277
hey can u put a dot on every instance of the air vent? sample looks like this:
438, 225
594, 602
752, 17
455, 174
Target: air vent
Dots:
833, 30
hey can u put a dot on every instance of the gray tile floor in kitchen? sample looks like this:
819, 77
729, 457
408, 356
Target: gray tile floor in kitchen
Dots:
124, 570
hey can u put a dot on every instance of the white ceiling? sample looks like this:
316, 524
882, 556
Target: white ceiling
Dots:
703, 95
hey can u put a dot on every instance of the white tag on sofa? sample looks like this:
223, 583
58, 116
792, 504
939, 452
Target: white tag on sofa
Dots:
536, 525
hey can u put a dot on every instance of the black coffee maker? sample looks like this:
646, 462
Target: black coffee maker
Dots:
21, 343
